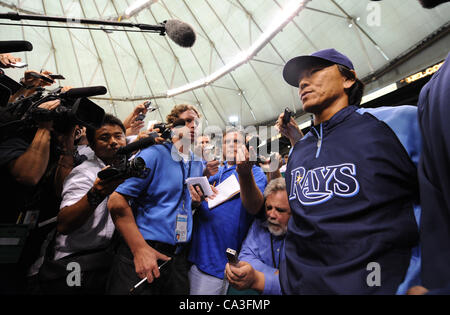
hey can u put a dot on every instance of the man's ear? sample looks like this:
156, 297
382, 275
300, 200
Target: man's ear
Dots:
348, 82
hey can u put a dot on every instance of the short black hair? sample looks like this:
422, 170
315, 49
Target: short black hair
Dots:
356, 92
107, 120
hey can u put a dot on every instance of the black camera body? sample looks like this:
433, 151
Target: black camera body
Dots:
124, 168
164, 130
70, 112
74, 109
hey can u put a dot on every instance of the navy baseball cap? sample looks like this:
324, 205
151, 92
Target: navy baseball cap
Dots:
295, 66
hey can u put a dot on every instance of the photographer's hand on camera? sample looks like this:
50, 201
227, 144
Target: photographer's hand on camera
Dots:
73, 217
290, 131
29, 168
103, 188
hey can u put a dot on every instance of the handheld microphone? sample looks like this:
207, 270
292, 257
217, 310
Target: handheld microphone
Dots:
181, 33
15, 46
85, 92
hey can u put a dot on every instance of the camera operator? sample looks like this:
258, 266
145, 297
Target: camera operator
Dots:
158, 224
29, 170
84, 225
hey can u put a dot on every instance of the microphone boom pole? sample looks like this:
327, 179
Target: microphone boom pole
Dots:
17, 17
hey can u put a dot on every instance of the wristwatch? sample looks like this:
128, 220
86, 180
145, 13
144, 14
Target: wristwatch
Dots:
94, 198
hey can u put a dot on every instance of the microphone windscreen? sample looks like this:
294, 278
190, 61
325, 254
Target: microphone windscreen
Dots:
11, 46
181, 33
85, 92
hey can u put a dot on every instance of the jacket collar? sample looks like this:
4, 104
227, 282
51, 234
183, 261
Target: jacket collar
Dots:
338, 118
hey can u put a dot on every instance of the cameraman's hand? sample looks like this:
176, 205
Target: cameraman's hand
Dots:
146, 262
106, 187
7, 59
51, 105
290, 131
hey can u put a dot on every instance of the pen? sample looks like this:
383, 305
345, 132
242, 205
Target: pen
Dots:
145, 279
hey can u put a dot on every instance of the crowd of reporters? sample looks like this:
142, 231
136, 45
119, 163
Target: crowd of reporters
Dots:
81, 186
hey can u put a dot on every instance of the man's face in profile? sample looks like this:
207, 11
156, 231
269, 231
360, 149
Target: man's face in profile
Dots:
429, 4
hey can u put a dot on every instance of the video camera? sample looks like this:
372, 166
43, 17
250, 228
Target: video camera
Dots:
124, 168
75, 108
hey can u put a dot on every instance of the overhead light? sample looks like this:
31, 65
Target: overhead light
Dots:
280, 21
233, 119
137, 7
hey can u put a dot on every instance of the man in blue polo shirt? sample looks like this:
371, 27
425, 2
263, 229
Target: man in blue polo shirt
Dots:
222, 227
352, 186
158, 224
259, 262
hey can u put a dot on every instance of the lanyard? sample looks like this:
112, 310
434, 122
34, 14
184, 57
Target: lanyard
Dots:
183, 171
273, 254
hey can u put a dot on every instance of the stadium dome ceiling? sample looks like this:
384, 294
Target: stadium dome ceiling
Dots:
136, 66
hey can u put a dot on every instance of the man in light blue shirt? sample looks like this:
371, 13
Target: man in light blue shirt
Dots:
157, 224
263, 247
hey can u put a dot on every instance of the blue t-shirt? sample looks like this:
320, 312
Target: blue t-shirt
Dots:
158, 198
222, 227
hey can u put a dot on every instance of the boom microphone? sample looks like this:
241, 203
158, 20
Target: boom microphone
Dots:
85, 92
181, 33
15, 46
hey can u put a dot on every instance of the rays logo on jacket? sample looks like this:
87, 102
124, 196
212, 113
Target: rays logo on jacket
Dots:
319, 185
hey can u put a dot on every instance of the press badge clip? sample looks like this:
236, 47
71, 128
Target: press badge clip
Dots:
181, 228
